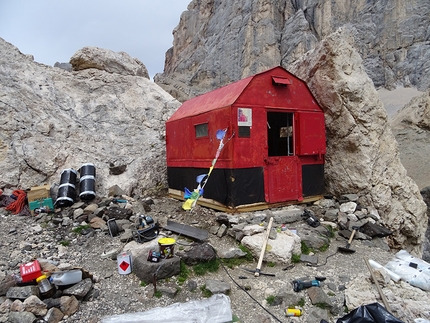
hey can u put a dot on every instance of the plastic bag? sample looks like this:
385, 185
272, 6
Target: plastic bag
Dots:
215, 309
420, 264
369, 313
414, 276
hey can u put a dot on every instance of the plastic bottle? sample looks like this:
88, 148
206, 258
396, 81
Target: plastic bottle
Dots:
70, 277
45, 287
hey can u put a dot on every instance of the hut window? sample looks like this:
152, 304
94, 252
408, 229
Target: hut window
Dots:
280, 133
201, 130
245, 132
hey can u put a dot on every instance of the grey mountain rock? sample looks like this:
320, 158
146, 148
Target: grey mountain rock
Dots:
361, 148
53, 119
216, 43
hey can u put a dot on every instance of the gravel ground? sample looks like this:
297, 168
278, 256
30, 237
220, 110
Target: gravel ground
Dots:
117, 294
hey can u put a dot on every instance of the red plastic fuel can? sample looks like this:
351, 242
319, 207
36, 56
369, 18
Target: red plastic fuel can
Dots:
30, 271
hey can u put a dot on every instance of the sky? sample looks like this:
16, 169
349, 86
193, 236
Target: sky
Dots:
53, 30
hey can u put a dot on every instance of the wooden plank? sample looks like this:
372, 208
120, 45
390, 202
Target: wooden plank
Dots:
242, 208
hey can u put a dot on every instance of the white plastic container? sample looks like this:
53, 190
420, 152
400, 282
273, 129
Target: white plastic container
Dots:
125, 263
70, 277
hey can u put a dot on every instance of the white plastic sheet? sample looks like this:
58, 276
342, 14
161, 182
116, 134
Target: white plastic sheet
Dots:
215, 309
412, 270
421, 264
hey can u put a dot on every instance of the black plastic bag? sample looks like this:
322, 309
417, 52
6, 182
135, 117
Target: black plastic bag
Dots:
370, 313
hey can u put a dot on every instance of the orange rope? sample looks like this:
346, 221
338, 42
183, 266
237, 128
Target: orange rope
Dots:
19, 204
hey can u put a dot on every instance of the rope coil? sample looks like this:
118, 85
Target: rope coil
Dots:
18, 205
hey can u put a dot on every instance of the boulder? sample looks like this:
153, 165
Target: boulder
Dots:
145, 270
279, 250
109, 61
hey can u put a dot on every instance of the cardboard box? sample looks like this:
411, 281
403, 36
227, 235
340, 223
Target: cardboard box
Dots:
38, 193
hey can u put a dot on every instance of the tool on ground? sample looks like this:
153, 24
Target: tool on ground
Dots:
146, 229
347, 248
375, 281
263, 248
261, 273
299, 285
310, 219
154, 256
119, 201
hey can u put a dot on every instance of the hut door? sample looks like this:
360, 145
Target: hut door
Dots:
281, 179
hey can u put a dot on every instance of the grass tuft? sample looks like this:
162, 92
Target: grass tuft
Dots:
270, 299
204, 267
65, 243
80, 228
183, 273
206, 292
295, 259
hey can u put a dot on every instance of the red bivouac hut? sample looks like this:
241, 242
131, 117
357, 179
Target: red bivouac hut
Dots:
276, 152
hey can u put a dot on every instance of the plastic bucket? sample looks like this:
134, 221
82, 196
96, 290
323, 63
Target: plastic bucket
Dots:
167, 246
87, 182
67, 190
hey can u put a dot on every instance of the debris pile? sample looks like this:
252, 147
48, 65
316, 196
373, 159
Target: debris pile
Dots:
44, 291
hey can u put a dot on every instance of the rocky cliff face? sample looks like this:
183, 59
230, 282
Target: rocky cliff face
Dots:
362, 153
52, 119
217, 43
411, 127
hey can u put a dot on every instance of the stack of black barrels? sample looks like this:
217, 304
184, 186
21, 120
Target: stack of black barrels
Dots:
87, 185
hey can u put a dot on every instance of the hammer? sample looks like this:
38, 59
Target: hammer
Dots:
347, 248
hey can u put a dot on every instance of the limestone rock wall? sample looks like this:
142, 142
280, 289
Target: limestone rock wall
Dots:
411, 127
362, 153
218, 42
52, 119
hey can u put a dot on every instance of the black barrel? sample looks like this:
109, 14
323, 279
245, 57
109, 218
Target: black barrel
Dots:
87, 182
67, 190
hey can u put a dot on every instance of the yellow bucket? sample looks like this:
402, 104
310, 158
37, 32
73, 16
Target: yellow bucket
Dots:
166, 247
